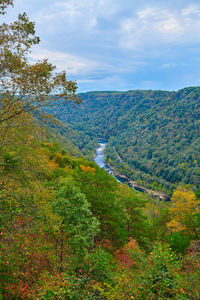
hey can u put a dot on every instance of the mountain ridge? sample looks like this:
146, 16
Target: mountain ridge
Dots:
157, 133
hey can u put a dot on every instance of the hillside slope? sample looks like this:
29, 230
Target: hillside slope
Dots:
74, 142
156, 133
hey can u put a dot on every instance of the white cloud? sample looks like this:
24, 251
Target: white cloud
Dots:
83, 67
168, 65
64, 61
157, 27
191, 10
78, 13
114, 82
115, 43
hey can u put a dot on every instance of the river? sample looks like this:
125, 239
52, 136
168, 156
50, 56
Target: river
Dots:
100, 161
99, 158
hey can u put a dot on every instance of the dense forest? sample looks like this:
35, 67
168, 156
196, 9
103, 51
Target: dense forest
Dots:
68, 229
156, 133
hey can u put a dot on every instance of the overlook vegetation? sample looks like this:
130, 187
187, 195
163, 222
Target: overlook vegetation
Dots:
68, 229
156, 133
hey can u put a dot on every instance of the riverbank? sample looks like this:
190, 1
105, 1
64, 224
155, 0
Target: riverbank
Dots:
99, 158
138, 187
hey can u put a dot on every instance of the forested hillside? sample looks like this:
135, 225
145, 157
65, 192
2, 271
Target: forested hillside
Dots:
156, 133
76, 143
68, 229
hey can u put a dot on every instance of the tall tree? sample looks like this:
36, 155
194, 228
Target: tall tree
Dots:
25, 86
77, 226
184, 212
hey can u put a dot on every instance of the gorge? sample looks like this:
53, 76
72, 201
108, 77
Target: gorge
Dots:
99, 158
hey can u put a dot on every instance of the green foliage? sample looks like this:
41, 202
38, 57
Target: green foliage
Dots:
156, 133
77, 221
68, 229
162, 278
178, 242
136, 222
198, 193
98, 266
10, 162
51, 246
100, 189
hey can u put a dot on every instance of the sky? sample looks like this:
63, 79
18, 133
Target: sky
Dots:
118, 44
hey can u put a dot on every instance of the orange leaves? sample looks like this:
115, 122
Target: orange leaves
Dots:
87, 169
52, 165
125, 256
50, 145
132, 245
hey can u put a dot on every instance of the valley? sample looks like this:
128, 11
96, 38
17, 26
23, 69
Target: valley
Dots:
154, 136
99, 191
99, 158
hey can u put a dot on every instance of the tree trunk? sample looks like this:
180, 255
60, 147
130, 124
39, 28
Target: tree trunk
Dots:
61, 250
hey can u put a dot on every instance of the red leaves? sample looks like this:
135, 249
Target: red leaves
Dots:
26, 256
105, 244
125, 255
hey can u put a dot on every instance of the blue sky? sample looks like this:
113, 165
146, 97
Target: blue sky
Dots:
118, 44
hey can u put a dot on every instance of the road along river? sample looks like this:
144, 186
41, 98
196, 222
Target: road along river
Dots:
99, 158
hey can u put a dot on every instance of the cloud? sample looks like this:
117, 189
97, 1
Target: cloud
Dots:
78, 13
64, 61
157, 27
114, 82
115, 44
84, 68
168, 65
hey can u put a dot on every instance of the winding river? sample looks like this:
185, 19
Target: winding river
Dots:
99, 158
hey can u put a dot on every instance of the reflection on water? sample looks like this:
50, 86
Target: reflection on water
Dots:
100, 157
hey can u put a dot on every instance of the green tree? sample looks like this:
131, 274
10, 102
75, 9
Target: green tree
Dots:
136, 221
100, 189
77, 226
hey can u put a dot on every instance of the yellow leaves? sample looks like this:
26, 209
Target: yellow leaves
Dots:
30, 138
175, 226
87, 169
183, 201
58, 156
184, 206
182, 166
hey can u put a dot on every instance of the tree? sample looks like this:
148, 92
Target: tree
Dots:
136, 221
24, 86
184, 212
77, 224
4, 4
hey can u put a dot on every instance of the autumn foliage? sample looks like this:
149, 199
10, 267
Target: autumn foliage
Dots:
68, 229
